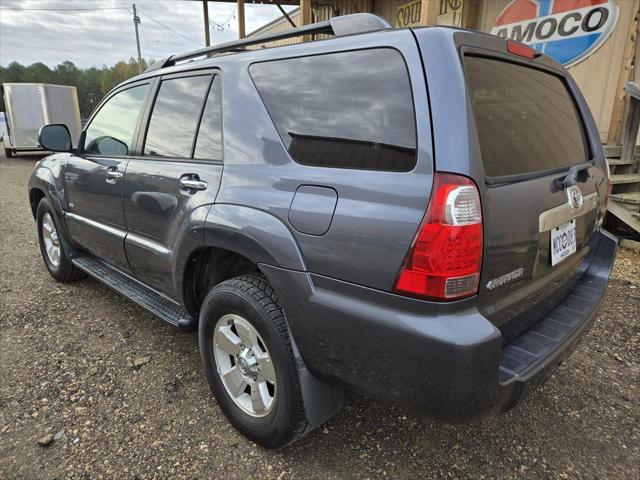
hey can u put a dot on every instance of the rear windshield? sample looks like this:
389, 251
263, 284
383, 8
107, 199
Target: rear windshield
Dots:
526, 119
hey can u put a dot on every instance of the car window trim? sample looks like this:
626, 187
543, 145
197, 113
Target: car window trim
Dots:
142, 138
103, 102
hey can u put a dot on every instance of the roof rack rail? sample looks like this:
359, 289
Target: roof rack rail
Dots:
337, 26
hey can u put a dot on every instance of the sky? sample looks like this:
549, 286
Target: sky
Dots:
101, 32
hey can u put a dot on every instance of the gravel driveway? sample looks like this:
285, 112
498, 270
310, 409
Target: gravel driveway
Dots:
125, 396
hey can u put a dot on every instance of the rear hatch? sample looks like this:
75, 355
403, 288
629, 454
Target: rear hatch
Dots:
538, 233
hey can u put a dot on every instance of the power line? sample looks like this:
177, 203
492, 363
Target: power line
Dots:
63, 9
220, 26
168, 27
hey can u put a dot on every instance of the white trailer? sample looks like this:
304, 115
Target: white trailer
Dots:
31, 105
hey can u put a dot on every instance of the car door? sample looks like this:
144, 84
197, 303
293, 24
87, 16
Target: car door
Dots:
177, 172
93, 179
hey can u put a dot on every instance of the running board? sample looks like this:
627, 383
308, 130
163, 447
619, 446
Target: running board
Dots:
135, 291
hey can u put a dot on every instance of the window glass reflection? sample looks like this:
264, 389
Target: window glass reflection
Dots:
209, 142
111, 130
526, 119
348, 109
175, 117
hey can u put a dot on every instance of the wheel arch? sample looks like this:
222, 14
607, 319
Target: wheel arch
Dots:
42, 183
251, 235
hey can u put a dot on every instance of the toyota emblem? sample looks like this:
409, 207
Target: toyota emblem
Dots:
575, 197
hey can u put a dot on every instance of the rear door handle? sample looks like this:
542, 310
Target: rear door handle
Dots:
193, 182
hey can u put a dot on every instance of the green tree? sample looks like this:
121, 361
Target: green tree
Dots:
91, 83
39, 73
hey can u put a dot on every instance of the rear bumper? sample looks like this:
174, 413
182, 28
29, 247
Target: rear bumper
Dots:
444, 360
529, 359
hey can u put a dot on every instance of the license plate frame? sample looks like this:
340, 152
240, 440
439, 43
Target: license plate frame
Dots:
562, 242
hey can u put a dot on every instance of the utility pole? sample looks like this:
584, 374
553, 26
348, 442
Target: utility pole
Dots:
205, 10
136, 21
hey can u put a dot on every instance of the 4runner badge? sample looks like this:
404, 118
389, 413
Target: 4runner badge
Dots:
506, 278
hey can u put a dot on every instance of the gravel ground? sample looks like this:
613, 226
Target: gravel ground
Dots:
67, 356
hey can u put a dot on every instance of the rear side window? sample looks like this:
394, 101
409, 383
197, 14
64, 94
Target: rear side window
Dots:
209, 142
175, 116
345, 110
527, 120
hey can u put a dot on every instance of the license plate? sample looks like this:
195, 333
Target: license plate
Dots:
563, 241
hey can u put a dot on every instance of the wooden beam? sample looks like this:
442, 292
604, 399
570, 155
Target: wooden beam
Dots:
205, 11
241, 25
305, 17
429, 10
285, 15
620, 101
471, 15
631, 126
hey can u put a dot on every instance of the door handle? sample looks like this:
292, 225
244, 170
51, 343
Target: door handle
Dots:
113, 174
193, 182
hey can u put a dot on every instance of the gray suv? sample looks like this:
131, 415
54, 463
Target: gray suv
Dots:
415, 214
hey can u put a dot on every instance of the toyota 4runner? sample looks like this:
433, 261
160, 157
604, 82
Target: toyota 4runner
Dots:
413, 213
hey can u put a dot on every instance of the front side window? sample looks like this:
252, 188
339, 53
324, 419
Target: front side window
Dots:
111, 130
345, 110
175, 116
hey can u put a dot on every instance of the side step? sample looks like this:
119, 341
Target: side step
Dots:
135, 291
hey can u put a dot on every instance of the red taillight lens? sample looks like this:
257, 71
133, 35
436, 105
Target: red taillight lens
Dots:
444, 260
522, 50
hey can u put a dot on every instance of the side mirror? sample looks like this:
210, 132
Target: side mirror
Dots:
55, 137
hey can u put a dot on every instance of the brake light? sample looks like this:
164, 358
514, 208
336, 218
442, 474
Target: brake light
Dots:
522, 50
444, 260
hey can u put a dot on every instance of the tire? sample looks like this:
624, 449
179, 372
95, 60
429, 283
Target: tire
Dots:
8, 153
250, 298
59, 267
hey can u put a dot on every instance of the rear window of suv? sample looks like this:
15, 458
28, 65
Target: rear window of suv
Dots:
345, 110
527, 120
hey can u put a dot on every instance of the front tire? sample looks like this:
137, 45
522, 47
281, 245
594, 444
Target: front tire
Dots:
248, 360
8, 153
52, 248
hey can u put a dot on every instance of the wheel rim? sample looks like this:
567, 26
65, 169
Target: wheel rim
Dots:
244, 365
51, 240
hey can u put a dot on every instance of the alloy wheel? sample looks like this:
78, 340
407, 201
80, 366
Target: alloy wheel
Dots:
244, 365
51, 240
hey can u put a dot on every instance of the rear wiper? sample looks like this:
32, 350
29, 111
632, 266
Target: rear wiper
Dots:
577, 173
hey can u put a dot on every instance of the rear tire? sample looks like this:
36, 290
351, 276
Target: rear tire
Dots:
8, 153
51, 247
238, 309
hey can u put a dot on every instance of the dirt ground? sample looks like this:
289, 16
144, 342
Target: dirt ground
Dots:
66, 368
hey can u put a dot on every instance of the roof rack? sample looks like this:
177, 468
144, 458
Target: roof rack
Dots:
337, 26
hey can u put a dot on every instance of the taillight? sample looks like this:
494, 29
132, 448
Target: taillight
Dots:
444, 260
522, 50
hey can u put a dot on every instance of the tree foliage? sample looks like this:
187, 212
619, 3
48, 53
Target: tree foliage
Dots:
92, 83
